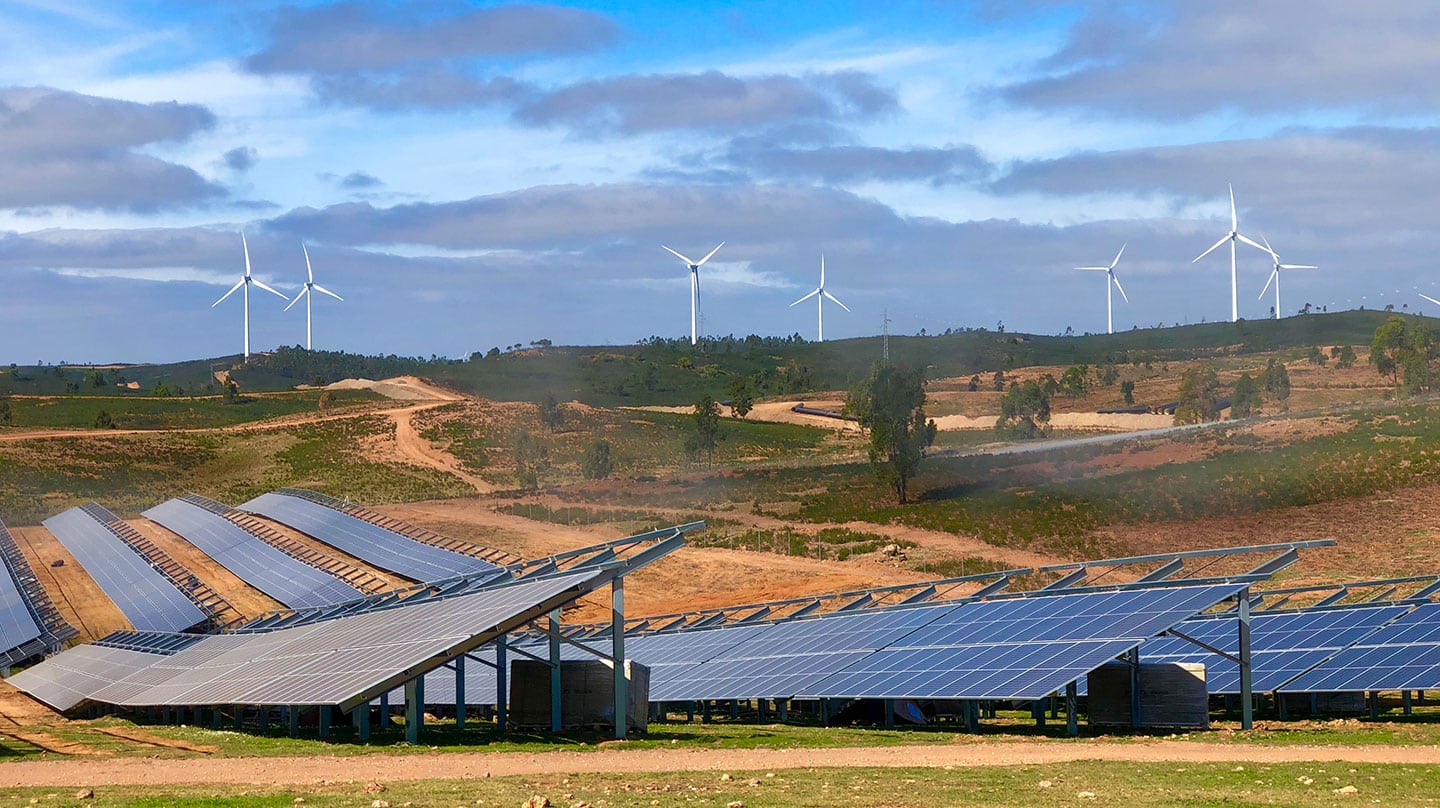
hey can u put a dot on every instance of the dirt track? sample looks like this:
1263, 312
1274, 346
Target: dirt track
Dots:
381, 767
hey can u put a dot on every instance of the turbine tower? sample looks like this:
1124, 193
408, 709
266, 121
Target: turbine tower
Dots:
311, 287
1275, 274
246, 283
694, 287
820, 294
1110, 280
1233, 236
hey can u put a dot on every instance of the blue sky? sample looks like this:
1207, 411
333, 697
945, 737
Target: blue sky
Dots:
470, 175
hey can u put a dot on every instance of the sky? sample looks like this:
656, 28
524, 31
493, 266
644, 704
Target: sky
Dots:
473, 174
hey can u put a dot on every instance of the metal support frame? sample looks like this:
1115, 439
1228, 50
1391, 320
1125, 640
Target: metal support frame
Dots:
617, 653
360, 717
414, 709
555, 722
1134, 659
502, 685
1247, 696
326, 713
460, 691
1072, 721
1405, 701
293, 713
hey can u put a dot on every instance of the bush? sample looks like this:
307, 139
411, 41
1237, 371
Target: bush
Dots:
597, 463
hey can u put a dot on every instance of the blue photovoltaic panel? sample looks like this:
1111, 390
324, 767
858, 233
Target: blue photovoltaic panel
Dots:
780, 660
1404, 655
17, 625
364, 540
282, 577
1019, 648
1282, 646
146, 598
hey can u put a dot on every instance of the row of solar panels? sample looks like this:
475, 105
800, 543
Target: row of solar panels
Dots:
154, 601
29, 622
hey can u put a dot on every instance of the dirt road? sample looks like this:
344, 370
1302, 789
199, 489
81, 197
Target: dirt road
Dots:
382, 767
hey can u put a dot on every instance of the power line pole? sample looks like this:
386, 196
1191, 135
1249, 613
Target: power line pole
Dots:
885, 327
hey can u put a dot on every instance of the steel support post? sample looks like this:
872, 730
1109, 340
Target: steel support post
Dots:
1405, 700
705, 712
325, 714
1072, 721
1134, 658
555, 722
460, 692
502, 686
414, 709
617, 652
888, 705
264, 719
293, 713
1247, 696
384, 710
361, 716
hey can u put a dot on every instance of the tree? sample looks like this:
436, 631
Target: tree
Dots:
1344, 356
532, 458
1402, 349
1387, 348
1245, 399
1025, 411
327, 399
707, 428
597, 463
232, 393
742, 397
1127, 389
5, 414
974, 383
890, 406
1317, 356
1075, 380
104, 421
550, 413
95, 378
1199, 396
999, 381
1276, 380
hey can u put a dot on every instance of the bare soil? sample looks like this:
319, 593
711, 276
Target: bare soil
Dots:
77, 596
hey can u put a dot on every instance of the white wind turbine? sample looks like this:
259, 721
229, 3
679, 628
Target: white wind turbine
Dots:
1429, 298
246, 282
1109, 294
820, 294
1232, 236
1275, 274
311, 287
694, 287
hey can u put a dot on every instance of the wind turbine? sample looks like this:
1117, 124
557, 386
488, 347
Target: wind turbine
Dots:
246, 282
1232, 236
1275, 274
694, 287
820, 294
1109, 295
311, 287
1429, 298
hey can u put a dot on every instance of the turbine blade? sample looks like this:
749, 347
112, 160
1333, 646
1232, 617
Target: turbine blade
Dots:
1429, 298
268, 289
1222, 240
1094, 269
322, 290
1234, 220
1253, 243
687, 261
822, 270
303, 292
1118, 286
1297, 266
309, 273
246, 246
1274, 275
237, 285
835, 300
709, 254
1117, 255
805, 298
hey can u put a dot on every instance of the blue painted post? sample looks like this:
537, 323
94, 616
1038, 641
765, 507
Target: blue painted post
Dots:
1072, 721
460, 692
555, 722
502, 686
1247, 696
325, 722
617, 651
414, 709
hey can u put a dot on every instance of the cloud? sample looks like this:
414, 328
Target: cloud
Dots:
1177, 59
240, 159
355, 37
635, 104
850, 163
64, 148
359, 179
435, 88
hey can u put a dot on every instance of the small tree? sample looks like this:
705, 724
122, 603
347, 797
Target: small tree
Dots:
1317, 356
5, 414
551, 415
597, 463
1199, 396
1245, 399
742, 397
532, 458
974, 383
1127, 389
1276, 380
1025, 411
999, 381
891, 408
95, 378
1344, 356
707, 428
1075, 380
103, 420
327, 399
232, 393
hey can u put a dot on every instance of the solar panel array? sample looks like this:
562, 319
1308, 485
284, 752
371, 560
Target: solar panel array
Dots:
365, 540
286, 579
70, 677
1404, 655
1282, 646
17, 624
149, 601
1019, 648
339, 662
51, 628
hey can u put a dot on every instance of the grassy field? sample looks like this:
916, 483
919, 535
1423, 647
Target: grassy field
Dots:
130, 412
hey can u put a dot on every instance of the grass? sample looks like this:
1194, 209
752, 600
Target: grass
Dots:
834, 543
130, 412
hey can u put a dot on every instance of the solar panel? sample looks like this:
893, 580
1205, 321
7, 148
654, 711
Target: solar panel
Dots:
1404, 655
146, 598
1282, 646
342, 661
72, 676
365, 540
288, 580
1018, 648
780, 660
17, 625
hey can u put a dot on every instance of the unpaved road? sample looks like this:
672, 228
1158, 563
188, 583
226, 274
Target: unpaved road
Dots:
381, 767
